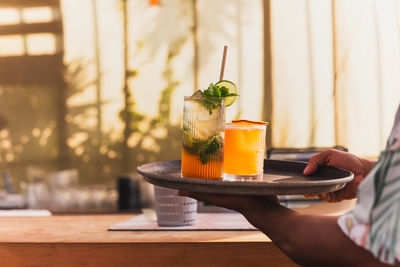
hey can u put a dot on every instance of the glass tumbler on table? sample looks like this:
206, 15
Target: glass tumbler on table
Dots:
244, 151
203, 140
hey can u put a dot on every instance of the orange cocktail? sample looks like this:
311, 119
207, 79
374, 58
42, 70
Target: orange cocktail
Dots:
192, 167
244, 149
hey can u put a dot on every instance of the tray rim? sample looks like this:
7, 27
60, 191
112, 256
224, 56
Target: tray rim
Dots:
243, 187
247, 183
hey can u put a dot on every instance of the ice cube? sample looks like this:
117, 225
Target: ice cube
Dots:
204, 115
197, 95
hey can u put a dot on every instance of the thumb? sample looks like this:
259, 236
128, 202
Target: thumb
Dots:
311, 167
315, 161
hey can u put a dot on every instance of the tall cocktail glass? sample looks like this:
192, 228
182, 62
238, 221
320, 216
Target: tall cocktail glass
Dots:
244, 151
203, 141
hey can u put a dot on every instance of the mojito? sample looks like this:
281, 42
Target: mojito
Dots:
203, 139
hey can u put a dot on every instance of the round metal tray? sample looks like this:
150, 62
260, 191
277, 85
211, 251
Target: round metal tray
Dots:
280, 178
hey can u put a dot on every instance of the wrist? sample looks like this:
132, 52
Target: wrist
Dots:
367, 165
257, 214
256, 204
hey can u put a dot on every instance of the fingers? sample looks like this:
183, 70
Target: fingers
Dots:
315, 161
348, 192
324, 197
310, 168
310, 196
329, 197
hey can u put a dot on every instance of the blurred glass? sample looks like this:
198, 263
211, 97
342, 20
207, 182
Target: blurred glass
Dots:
60, 192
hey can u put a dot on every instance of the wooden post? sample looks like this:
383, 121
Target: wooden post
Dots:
126, 92
268, 94
195, 47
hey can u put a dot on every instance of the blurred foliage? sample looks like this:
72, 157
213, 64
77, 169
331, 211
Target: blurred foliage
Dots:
28, 134
29, 123
161, 139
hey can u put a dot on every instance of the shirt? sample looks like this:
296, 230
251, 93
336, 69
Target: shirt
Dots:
374, 222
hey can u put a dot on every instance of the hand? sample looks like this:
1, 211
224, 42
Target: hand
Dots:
339, 159
242, 204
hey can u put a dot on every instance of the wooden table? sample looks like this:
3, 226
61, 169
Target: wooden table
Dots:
83, 240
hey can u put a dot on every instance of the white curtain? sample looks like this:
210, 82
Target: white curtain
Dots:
335, 73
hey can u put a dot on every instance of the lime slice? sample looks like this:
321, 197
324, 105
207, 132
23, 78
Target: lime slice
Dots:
231, 88
187, 139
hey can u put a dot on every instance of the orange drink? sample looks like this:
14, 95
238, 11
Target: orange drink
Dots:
193, 168
244, 150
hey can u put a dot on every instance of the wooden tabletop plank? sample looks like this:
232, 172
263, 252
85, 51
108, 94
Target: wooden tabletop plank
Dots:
83, 240
93, 229
155, 254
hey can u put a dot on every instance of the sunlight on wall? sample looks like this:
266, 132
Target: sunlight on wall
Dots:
11, 45
29, 44
9, 16
37, 14
153, 32
161, 53
25, 15
238, 25
40, 44
79, 49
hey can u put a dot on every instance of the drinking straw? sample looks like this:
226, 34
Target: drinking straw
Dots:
221, 75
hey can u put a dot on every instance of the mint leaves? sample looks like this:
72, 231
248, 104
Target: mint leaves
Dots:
204, 149
214, 95
209, 148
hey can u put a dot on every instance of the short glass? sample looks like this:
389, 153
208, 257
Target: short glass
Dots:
203, 140
244, 151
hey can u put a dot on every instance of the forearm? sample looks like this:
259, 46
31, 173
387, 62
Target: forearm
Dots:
308, 239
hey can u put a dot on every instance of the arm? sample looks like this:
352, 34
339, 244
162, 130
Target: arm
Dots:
308, 240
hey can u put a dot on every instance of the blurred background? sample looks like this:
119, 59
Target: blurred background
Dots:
91, 89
